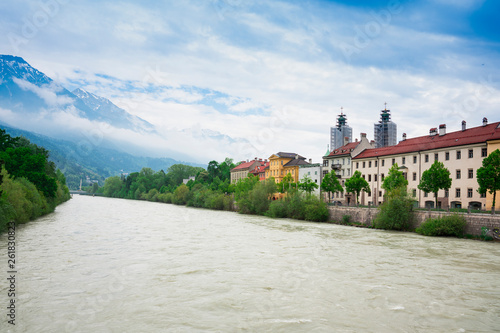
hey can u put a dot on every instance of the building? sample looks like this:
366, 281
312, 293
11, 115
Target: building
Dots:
461, 152
340, 159
260, 170
385, 132
313, 171
339, 133
281, 164
244, 168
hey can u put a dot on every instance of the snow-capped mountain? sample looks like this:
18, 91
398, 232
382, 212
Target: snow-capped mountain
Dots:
24, 90
110, 113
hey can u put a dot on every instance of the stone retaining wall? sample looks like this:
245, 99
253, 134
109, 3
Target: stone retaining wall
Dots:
366, 215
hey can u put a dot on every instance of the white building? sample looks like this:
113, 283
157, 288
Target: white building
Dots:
313, 171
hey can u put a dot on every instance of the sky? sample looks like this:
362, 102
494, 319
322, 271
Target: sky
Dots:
245, 79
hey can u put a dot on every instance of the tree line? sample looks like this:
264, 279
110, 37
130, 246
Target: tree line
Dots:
30, 185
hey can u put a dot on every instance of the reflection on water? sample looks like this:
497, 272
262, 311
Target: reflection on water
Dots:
111, 265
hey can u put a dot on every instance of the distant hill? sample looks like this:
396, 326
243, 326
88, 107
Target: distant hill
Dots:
95, 163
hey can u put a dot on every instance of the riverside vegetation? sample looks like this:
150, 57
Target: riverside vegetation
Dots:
212, 189
30, 185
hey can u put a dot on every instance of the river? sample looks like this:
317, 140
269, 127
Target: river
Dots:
112, 265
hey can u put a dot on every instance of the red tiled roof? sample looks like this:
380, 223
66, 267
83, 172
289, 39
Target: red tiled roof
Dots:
344, 149
454, 139
244, 165
260, 168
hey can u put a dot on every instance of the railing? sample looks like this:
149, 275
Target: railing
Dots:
336, 166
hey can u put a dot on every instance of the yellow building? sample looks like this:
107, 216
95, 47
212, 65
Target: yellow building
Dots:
281, 164
492, 146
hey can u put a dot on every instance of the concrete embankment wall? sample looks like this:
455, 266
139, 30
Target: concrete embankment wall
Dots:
366, 215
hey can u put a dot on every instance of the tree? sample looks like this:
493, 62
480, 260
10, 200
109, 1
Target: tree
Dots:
331, 184
6, 141
307, 185
488, 176
395, 179
213, 170
286, 183
356, 184
436, 178
112, 186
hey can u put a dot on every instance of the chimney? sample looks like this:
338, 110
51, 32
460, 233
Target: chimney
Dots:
464, 125
310, 161
442, 129
433, 131
248, 161
356, 139
363, 135
404, 136
346, 140
485, 121
296, 156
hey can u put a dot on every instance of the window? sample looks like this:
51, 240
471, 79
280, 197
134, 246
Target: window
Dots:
342, 183
281, 162
343, 161
375, 178
382, 177
414, 193
404, 160
470, 173
315, 172
379, 193
446, 193
369, 178
309, 173
459, 174
483, 195
469, 193
343, 172
325, 163
376, 163
324, 172
484, 152
414, 159
436, 157
364, 163
348, 172
369, 194
357, 165
459, 154
383, 162
426, 158
393, 161
426, 194
414, 176
471, 153
363, 176
447, 156
457, 192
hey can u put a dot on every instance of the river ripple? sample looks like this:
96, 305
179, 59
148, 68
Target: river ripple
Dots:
112, 265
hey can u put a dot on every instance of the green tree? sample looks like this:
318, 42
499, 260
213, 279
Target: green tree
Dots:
331, 184
394, 179
435, 178
286, 184
488, 176
112, 186
213, 170
356, 184
307, 185
6, 141
396, 213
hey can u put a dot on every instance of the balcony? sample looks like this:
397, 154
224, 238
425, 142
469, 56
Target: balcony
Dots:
336, 166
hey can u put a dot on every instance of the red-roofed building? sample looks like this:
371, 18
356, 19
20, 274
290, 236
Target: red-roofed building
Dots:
244, 168
260, 170
339, 160
461, 152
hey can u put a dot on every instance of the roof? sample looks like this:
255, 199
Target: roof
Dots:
288, 155
260, 168
295, 162
429, 142
347, 149
244, 165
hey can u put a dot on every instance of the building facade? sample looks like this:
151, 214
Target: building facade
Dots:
243, 169
461, 152
340, 133
281, 164
385, 132
313, 171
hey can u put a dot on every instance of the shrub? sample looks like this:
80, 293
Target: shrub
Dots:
181, 195
397, 212
316, 210
346, 219
296, 206
277, 209
152, 195
452, 225
228, 202
165, 197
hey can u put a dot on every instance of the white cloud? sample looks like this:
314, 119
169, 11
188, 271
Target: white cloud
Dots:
46, 92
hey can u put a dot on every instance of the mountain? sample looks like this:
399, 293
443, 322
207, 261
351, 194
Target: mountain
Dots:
112, 114
77, 163
25, 89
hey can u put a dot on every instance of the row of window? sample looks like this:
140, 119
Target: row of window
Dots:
484, 153
458, 193
458, 175
275, 172
325, 162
